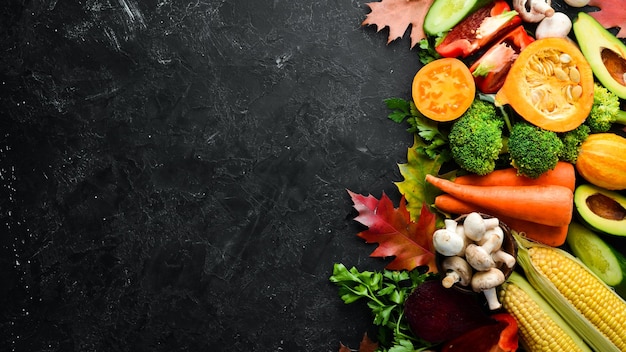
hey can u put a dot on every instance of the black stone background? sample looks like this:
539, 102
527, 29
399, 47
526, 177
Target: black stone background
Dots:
174, 173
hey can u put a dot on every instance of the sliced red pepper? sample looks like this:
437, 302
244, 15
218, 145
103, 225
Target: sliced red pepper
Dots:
509, 340
491, 68
478, 30
501, 336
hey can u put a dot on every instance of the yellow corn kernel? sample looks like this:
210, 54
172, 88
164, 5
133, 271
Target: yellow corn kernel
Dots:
591, 298
540, 327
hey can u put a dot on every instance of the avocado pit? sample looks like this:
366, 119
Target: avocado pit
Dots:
605, 207
615, 64
601, 209
605, 53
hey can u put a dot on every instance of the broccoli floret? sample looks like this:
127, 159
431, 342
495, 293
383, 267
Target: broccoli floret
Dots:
572, 140
475, 138
605, 110
533, 150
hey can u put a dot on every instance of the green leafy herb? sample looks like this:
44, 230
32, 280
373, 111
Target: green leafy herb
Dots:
436, 142
385, 293
427, 52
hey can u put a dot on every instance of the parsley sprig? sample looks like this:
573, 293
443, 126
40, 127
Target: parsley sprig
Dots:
429, 130
385, 292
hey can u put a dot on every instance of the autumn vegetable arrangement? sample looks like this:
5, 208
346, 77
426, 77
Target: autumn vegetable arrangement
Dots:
511, 227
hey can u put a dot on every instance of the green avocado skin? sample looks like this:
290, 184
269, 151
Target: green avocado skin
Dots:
593, 39
598, 223
445, 14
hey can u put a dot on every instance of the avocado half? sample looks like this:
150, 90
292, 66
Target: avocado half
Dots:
601, 209
604, 51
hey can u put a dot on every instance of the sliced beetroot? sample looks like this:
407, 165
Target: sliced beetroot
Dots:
438, 314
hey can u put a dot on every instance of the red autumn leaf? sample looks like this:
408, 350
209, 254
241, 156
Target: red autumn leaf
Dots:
395, 233
366, 345
612, 14
398, 15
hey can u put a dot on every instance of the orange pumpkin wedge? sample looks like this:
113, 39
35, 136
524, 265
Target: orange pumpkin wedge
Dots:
550, 85
443, 89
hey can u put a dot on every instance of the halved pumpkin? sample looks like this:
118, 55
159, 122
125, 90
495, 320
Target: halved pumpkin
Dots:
550, 85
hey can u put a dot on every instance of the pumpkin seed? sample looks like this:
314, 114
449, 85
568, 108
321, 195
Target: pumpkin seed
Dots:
574, 75
560, 74
573, 93
565, 58
536, 96
577, 92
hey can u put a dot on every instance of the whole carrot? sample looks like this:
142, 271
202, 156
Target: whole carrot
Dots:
563, 174
549, 235
544, 204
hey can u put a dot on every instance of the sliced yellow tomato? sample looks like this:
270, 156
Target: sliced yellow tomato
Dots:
443, 89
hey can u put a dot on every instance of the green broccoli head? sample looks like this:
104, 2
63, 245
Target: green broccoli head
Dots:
604, 111
572, 141
475, 138
533, 150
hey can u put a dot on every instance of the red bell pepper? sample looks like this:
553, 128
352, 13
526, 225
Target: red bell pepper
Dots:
509, 340
491, 68
478, 30
501, 336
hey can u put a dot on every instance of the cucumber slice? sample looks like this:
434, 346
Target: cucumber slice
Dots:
445, 14
605, 261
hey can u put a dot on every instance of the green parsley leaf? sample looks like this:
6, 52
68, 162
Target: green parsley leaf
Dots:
385, 292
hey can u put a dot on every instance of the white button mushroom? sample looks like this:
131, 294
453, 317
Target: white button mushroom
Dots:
475, 226
486, 282
504, 258
492, 239
533, 10
478, 258
457, 270
559, 25
448, 241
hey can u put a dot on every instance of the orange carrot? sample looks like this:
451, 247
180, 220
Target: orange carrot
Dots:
549, 235
544, 204
563, 174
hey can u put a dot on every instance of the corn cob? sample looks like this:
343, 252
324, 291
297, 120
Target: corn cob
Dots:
591, 307
540, 327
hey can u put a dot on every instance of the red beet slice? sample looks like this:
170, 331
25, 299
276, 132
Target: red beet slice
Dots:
438, 314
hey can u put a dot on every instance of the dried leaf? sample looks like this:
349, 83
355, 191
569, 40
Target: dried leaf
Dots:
344, 348
612, 14
398, 15
366, 345
409, 242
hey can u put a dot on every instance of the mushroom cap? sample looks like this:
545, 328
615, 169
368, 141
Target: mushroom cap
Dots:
492, 239
533, 10
448, 242
558, 25
484, 280
474, 226
478, 257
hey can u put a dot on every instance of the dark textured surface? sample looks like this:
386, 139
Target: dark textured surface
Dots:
174, 172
